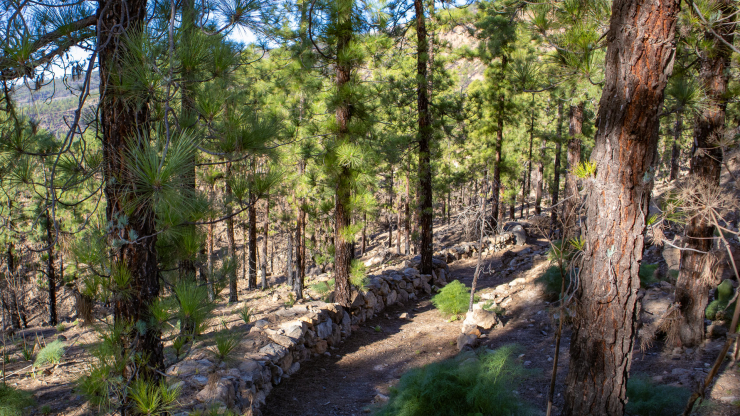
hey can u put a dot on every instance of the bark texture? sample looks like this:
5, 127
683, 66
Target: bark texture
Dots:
426, 211
639, 59
706, 165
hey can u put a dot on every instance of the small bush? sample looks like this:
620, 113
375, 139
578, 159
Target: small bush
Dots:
153, 399
50, 354
324, 289
46, 409
647, 274
718, 309
12, 401
551, 281
226, 343
61, 327
291, 300
358, 275
194, 308
474, 383
648, 399
27, 352
245, 313
453, 299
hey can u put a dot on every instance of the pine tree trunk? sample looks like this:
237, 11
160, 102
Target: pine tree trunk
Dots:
528, 192
524, 194
364, 234
265, 231
706, 165
390, 210
425, 135
556, 169
233, 288
676, 150
13, 310
572, 199
252, 212
407, 216
211, 284
540, 178
398, 226
342, 214
289, 262
119, 122
639, 59
51, 272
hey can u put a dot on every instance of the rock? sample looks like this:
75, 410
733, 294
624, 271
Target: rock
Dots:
427, 288
346, 325
222, 391
294, 368
411, 272
381, 398
403, 296
403, 316
274, 351
672, 257
370, 299
357, 300
323, 330
442, 275
320, 347
261, 323
335, 337
392, 297
294, 329
291, 312
517, 281
279, 338
482, 318
466, 341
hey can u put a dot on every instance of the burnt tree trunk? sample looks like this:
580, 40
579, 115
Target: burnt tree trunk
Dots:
252, 213
496, 183
265, 235
528, 191
426, 213
706, 165
120, 122
572, 199
556, 169
51, 271
407, 214
639, 60
233, 288
540, 178
390, 210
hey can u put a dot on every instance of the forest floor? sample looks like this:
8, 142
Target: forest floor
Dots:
357, 375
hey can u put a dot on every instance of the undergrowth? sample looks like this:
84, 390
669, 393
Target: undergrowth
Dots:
551, 281
50, 354
647, 274
324, 289
648, 399
453, 299
12, 401
473, 383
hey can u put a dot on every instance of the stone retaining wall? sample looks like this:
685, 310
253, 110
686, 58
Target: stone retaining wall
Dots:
243, 383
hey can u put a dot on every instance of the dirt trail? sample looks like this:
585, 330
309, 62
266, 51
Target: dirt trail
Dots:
346, 382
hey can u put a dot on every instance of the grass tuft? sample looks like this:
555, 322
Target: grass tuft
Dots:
12, 401
648, 275
226, 343
453, 299
474, 383
245, 313
50, 354
551, 281
649, 399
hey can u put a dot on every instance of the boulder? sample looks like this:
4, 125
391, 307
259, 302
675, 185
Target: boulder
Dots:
482, 318
403, 296
520, 234
370, 299
466, 341
220, 392
346, 325
274, 351
357, 300
324, 329
392, 298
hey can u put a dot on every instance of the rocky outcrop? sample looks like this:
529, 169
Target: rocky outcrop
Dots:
490, 244
244, 382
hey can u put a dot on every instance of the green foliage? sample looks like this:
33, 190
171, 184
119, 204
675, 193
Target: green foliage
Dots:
153, 399
12, 401
585, 170
492, 307
46, 409
245, 313
194, 308
61, 327
453, 299
178, 343
647, 274
323, 288
718, 308
26, 352
291, 300
648, 399
50, 354
474, 383
226, 343
552, 281
358, 275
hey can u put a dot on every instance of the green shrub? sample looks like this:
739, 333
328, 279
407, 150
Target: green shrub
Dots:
453, 299
194, 308
647, 274
226, 343
12, 401
473, 383
245, 313
153, 399
717, 308
648, 399
551, 281
358, 275
50, 354
324, 289
46, 409
61, 327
